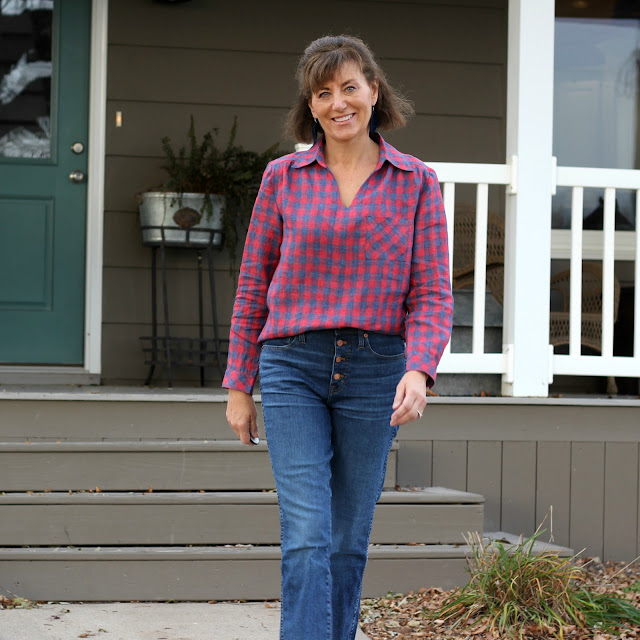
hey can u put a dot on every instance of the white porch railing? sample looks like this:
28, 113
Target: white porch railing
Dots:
575, 245
606, 246
481, 175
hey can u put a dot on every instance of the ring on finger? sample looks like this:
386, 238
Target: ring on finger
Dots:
419, 413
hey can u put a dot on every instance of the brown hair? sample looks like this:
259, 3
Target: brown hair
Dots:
320, 62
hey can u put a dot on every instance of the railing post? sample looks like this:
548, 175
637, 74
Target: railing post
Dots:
528, 212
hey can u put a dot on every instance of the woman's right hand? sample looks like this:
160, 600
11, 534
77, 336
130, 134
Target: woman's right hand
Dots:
242, 415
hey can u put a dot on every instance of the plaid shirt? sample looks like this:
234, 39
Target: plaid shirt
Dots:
381, 264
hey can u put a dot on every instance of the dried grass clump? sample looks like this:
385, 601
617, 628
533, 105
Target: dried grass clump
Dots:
517, 591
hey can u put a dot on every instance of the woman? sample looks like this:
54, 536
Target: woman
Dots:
346, 259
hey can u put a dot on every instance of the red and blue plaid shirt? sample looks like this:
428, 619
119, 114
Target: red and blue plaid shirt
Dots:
381, 264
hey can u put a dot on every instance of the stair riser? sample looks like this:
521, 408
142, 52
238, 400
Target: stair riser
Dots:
183, 524
141, 470
194, 580
115, 420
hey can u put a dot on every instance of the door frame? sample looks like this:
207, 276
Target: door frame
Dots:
89, 372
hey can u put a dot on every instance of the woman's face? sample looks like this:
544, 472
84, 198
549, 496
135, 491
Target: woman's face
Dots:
343, 105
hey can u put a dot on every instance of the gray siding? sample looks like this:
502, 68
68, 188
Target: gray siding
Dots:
218, 60
581, 460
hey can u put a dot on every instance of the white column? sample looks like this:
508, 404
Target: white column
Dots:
95, 187
528, 212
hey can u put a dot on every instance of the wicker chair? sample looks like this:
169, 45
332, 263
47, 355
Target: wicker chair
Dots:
463, 271
464, 251
591, 335
591, 330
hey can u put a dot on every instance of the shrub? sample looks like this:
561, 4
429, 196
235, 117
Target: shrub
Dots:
516, 591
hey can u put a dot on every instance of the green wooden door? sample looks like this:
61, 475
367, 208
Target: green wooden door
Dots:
44, 87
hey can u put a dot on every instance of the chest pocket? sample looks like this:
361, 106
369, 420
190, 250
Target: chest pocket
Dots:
388, 238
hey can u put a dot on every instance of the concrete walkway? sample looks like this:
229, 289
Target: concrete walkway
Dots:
144, 621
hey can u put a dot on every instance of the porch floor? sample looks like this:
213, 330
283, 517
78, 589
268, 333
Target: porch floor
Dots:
219, 395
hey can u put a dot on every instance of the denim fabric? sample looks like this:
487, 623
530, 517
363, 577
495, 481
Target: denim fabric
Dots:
326, 398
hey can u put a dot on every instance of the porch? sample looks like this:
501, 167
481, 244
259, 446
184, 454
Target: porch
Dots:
148, 484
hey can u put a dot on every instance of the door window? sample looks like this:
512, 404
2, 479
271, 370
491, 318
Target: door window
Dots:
25, 78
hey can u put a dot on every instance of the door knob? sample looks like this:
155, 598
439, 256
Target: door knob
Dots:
76, 176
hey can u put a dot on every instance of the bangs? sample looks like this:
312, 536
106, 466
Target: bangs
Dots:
322, 69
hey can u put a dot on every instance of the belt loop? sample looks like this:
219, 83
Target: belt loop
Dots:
360, 339
302, 338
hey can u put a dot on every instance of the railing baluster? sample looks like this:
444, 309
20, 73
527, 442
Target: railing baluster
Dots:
636, 317
575, 304
608, 271
449, 201
480, 268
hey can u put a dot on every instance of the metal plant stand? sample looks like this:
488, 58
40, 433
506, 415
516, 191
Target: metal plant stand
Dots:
170, 350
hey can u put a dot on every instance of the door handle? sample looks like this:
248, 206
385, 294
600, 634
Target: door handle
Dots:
77, 177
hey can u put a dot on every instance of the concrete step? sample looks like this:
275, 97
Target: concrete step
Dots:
428, 516
212, 573
130, 465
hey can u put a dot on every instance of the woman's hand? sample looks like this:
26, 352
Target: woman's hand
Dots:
411, 398
242, 415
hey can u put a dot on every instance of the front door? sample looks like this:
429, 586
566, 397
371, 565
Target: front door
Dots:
44, 88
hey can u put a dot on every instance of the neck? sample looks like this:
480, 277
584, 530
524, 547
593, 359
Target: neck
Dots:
351, 153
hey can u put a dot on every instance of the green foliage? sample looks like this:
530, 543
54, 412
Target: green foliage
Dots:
232, 172
633, 588
516, 590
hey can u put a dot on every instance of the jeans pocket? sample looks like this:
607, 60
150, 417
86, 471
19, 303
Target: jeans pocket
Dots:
280, 343
388, 238
387, 347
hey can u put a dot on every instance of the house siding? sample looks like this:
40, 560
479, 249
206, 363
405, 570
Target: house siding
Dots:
219, 60
581, 460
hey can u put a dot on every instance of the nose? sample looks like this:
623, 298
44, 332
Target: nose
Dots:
339, 103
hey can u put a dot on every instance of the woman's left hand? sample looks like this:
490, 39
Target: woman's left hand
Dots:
411, 398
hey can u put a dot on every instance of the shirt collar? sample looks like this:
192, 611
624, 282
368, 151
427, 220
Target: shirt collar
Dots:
387, 153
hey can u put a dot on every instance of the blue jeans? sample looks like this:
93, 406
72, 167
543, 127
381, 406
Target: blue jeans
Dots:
326, 398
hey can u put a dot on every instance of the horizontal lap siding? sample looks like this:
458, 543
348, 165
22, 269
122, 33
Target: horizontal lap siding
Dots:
219, 60
573, 471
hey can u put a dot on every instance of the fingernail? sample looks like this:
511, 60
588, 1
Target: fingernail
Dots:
254, 439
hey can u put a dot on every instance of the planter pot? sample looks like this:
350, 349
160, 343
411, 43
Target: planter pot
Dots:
176, 221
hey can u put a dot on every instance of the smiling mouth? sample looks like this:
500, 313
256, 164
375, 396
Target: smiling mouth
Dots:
343, 118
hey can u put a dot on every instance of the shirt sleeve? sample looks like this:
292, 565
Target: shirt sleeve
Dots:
429, 303
260, 259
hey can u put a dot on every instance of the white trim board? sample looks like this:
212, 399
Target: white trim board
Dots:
95, 187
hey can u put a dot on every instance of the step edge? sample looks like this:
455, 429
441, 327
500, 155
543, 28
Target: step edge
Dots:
388, 497
249, 553
158, 446
538, 546
217, 395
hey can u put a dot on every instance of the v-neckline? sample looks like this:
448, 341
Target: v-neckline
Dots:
357, 193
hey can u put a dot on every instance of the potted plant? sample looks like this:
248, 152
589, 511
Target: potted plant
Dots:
208, 194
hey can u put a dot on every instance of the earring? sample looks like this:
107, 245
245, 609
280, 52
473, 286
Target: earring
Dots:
314, 130
374, 122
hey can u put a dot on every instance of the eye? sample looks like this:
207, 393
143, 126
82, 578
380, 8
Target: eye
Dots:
323, 94
350, 89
